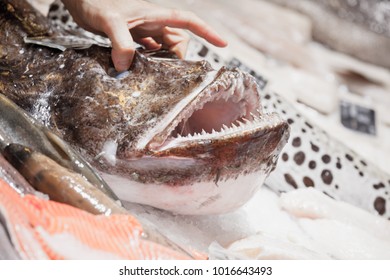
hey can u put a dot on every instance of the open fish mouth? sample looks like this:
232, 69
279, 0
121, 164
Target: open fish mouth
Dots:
211, 153
228, 107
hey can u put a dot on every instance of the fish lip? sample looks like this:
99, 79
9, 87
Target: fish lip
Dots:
159, 133
225, 81
238, 133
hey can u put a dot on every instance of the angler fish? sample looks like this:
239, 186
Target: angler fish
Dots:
178, 135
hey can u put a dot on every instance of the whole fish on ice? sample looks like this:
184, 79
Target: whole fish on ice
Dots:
180, 135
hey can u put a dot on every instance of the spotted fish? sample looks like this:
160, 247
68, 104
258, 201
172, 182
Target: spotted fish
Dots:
312, 158
173, 134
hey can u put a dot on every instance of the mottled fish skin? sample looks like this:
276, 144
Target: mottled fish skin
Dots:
138, 125
61, 18
312, 158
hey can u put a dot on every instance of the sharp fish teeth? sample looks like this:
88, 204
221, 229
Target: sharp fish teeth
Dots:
240, 123
232, 90
226, 96
246, 120
255, 118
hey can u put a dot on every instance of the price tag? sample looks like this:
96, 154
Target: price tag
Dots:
358, 118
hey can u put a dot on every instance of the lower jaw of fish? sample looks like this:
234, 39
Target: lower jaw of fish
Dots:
202, 176
200, 198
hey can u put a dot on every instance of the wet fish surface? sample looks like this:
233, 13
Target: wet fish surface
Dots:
19, 127
59, 183
176, 134
13, 178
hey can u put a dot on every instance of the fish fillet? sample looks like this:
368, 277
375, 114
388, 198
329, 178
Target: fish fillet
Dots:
35, 224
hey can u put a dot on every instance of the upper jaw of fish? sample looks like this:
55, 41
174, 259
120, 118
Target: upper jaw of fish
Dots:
224, 109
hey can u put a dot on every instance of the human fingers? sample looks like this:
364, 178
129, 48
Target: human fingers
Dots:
149, 43
122, 43
176, 40
186, 20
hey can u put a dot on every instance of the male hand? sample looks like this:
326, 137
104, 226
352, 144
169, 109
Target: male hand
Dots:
127, 21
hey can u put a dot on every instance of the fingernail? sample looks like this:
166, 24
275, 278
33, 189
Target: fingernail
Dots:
122, 65
122, 60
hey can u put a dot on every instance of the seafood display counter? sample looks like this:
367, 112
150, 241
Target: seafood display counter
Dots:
275, 147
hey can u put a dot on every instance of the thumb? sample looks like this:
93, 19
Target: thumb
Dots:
122, 44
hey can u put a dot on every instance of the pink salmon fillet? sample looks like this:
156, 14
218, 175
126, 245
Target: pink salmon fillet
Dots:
30, 220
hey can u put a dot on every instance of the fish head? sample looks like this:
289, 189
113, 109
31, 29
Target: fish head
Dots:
198, 137
174, 134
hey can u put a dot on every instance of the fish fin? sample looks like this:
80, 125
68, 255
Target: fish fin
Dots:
61, 42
